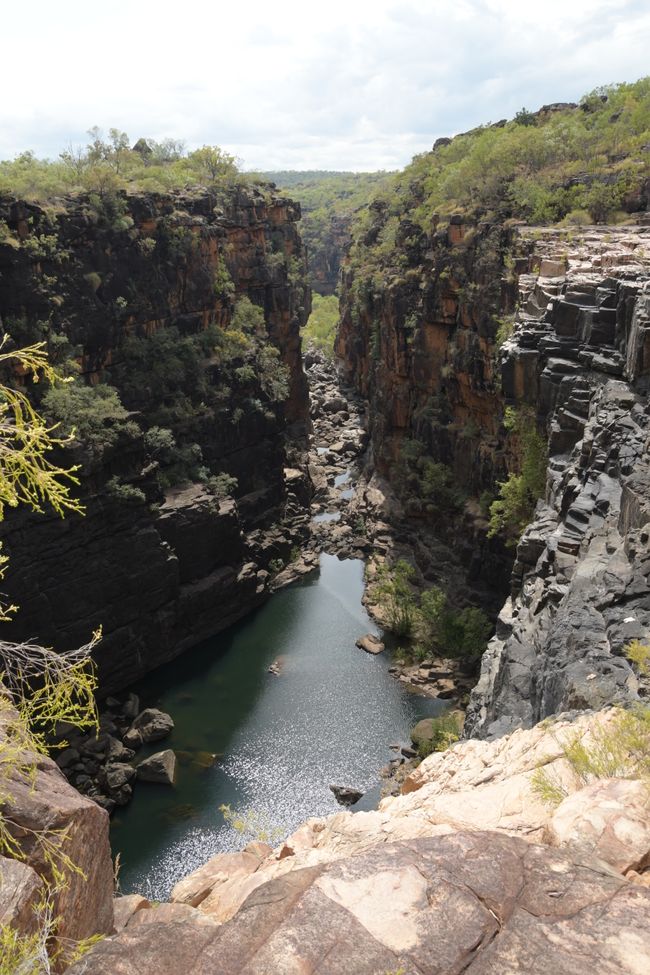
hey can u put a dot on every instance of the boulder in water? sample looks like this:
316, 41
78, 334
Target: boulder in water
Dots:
153, 724
345, 795
370, 643
160, 767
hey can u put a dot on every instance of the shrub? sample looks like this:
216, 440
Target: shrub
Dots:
125, 493
620, 749
518, 495
446, 730
320, 329
461, 633
93, 413
639, 654
396, 597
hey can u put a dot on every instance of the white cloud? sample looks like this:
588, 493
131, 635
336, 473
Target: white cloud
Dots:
360, 84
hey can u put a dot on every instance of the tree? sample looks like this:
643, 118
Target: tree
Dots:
210, 163
396, 597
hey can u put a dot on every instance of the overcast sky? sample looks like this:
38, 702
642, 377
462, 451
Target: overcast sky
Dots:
340, 84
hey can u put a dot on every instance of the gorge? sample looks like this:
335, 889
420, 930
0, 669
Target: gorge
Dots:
234, 487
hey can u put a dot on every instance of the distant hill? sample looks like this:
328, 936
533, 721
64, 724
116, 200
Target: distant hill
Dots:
329, 201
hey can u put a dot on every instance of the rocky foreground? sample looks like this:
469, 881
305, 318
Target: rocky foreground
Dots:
469, 870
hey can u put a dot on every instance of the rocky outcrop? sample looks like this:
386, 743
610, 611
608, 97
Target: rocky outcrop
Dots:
159, 568
472, 902
420, 885
580, 581
56, 829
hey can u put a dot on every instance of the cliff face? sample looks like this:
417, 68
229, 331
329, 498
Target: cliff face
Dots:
420, 344
423, 347
420, 347
580, 353
159, 568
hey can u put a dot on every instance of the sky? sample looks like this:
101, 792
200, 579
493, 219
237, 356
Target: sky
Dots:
341, 84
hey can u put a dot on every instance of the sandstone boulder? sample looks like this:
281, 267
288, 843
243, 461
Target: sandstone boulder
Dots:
125, 907
370, 643
609, 819
21, 888
48, 805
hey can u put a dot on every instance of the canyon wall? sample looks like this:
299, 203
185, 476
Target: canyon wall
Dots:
160, 566
580, 355
430, 349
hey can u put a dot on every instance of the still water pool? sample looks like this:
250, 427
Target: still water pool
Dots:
279, 741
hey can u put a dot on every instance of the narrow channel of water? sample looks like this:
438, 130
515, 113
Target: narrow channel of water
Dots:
280, 740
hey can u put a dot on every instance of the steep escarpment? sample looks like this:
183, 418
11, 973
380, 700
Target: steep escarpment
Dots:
472, 380
329, 201
168, 309
579, 356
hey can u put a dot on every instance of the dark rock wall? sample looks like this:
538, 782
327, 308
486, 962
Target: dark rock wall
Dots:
580, 583
421, 346
163, 570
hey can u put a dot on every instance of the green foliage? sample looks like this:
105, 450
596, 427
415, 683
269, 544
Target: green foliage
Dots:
618, 749
538, 168
26, 474
639, 654
446, 729
248, 318
106, 167
92, 414
272, 374
221, 485
461, 633
320, 329
396, 597
125, 493
518, 495
329, 201
419, 476
504, 331
41, 689
547, 788
224, 286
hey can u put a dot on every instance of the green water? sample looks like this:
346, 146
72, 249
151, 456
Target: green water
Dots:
328, 718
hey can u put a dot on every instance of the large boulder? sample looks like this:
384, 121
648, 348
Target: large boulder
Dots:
47, 806
21, 889
370, 643
160, 767
153, 725
474, 902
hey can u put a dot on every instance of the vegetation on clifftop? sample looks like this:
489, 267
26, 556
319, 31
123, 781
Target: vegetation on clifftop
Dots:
106, 165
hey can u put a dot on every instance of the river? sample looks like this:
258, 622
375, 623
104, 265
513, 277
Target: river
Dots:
269, 746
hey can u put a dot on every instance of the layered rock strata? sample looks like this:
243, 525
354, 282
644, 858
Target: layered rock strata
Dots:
579, 356
160, 569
